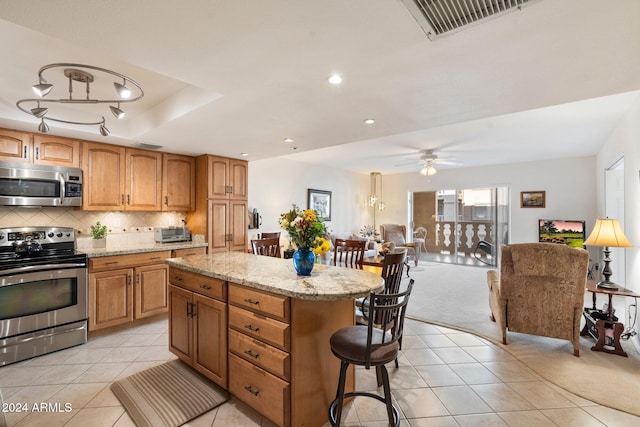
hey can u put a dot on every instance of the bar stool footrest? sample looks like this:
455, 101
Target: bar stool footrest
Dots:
332, 407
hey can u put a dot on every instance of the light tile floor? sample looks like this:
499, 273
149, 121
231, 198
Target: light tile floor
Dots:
445, 378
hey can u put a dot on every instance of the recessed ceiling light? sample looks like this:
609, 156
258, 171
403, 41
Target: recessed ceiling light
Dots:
288, 140
369, 121
335, 79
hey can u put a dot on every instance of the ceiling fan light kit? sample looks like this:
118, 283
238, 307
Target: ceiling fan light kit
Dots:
82, 74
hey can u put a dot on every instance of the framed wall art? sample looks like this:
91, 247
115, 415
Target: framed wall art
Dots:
532, 199
320, 201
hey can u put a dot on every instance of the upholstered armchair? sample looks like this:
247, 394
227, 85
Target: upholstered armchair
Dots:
539, 291
394, 237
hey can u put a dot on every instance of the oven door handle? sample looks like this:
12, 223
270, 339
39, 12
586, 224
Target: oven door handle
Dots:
42, 267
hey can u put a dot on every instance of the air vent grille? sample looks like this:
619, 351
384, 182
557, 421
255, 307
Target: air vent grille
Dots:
443, 17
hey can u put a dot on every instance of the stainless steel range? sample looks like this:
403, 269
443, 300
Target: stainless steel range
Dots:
43, 292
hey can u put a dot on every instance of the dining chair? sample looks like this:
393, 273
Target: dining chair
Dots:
349, 253
268, 247
270, 235
375, 344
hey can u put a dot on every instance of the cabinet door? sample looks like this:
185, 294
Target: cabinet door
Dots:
238, 225
110, 298
151, 290
178, 182
210, 342
217, 177
55, 151
217, 225
143, 180
15, 146
180, 324
104, 171
238, 170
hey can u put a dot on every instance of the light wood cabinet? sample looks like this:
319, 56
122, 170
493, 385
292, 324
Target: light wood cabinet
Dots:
56, 151
124, 288
41, 149
221, 212
143, 180
198, 323
226, 178
178, 182
177, 253
121, 178
104, 168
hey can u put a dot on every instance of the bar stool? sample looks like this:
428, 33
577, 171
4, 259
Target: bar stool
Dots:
375, 344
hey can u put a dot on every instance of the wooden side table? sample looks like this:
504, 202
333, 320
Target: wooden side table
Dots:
608, 323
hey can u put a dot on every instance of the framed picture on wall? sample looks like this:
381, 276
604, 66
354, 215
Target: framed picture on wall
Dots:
320, 201
532, 199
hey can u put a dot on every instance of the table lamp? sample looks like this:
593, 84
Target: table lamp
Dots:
608, 233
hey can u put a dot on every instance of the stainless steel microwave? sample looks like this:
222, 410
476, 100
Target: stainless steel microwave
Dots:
37, 185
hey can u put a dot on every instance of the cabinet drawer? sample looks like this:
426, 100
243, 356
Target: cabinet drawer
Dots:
177, 253
264, 328
270, 358
264, 392
260, 302
122, 261
207, 286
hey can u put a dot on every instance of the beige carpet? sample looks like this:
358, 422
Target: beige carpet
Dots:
167, 395
457, 296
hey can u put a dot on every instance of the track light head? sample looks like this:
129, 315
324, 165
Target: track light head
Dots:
123, 91
117, 112
42, 89
39, 112
103, 129
43, 127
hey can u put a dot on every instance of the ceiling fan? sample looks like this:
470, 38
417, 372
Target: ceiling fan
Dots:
428, 159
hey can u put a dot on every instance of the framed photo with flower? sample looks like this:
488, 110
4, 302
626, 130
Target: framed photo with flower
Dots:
320, 201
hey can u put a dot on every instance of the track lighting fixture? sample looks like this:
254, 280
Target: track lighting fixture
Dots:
82, 74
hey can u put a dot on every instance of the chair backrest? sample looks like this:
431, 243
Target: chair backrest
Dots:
421, 233
349, 253
270, 235
395, 233
268, 247
392, 269
388, 310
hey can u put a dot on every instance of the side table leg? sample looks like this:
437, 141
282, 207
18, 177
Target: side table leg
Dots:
618, 328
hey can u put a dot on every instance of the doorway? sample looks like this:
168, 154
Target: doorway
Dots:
464, 226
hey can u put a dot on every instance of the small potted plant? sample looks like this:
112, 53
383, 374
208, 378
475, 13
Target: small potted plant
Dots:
98, 235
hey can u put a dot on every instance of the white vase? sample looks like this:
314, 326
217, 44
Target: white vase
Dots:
99, 243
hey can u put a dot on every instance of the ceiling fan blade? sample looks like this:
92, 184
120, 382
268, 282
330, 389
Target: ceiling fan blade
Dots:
419, 162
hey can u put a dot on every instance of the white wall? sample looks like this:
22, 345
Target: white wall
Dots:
275, 184
625, 140
569, 184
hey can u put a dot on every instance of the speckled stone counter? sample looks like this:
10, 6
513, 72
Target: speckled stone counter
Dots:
136, 249
326, 283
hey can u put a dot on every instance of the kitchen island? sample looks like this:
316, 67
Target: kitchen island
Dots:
253, 326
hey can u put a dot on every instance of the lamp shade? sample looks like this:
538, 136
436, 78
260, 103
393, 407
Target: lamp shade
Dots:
608, 232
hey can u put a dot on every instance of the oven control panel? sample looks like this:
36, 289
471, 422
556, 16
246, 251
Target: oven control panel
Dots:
41, 235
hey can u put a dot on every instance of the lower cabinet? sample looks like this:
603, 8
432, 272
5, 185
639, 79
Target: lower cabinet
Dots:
124, 288
198, 323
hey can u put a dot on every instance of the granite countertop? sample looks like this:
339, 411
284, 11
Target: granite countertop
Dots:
141, 248
278, 276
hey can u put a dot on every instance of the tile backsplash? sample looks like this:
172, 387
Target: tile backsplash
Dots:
119, 224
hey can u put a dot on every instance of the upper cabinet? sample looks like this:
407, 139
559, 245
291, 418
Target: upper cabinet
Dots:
178, 182
226, 178
119, 178
56, 151
104, 170
42, 149
15, 146
143, 180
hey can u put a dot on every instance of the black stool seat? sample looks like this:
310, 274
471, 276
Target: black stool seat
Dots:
373, 344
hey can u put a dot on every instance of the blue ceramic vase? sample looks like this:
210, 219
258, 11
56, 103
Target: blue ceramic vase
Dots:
303, 261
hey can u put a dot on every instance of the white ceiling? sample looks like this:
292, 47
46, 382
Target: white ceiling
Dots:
226, 77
